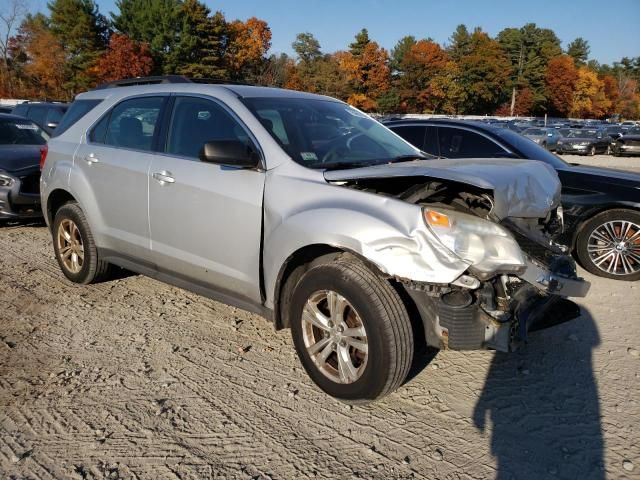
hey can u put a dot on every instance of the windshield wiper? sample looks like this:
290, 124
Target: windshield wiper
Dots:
409, 158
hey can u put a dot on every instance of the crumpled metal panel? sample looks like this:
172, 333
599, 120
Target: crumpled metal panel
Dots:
521, 188
301, 209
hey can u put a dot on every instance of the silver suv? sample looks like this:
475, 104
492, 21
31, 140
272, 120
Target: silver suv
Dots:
308, 212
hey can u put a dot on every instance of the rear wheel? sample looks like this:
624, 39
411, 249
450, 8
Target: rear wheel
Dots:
75, 248
609, 245
351, 331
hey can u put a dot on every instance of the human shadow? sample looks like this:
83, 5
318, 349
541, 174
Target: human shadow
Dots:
544, 408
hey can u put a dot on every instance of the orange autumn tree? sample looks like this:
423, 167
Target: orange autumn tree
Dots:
426, 78
367, 73
561, 77
46, 63
589, 99
124, 58
248, 44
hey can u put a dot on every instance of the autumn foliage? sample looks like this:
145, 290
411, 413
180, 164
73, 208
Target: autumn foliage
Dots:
520, 71
123, 58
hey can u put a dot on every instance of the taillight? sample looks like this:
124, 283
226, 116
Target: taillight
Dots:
43, 155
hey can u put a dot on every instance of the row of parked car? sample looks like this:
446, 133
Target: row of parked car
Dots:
310, 213
609, 140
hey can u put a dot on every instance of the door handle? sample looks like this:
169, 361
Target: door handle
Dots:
164, 177
91, 159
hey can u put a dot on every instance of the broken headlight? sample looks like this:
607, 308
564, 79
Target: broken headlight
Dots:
487, 247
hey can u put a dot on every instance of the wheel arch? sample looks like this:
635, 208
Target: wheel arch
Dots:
598, 211
56, 199
297, 264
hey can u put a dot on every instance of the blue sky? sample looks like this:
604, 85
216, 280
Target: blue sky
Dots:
612, 27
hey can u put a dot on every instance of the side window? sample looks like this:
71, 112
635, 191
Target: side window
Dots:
131, 124
460, 143
196, 121
412, 134
21, 109
76, 111
37, 114
54, 115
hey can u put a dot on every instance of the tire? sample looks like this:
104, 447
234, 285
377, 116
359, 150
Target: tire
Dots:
608, 150
371, 303
608, 267
90, 269
592, 151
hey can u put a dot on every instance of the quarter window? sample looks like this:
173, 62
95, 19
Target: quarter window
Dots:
131, 124
196, 121
459, 143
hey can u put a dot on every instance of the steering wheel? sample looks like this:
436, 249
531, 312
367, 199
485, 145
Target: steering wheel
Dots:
341, 142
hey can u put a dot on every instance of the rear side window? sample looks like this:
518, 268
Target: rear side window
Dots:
21, 110
459, 143
130, 124
76, 111
37, 114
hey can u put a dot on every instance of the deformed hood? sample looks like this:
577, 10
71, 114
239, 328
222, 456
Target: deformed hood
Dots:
521, 188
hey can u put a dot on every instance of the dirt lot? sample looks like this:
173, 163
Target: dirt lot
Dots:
136, 379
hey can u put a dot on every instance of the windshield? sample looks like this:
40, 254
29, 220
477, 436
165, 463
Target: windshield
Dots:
529, 149
582, 133
21, 132
325, 134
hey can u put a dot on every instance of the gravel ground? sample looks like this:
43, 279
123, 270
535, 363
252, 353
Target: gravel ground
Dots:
135, 379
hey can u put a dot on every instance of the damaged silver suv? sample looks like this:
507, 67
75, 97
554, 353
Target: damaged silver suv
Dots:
308, 212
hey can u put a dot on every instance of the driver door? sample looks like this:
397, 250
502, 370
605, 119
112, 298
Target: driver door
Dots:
205, 219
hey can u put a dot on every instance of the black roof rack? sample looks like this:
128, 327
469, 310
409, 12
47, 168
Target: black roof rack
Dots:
128, 82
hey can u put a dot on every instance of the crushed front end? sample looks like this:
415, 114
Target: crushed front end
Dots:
495, 307
498, 220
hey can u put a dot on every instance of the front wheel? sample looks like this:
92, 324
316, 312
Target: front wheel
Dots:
351, 331
608, 245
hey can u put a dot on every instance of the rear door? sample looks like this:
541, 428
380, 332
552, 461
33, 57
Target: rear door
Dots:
115, 164
457, 142
206, 219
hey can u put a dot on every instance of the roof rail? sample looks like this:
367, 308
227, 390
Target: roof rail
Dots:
128, 82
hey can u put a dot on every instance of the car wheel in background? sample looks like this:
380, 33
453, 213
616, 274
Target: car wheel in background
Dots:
608, 150
608, 245
351, 331
75, 248
592, 150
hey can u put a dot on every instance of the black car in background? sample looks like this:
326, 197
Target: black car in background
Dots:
46, 114
584, 141
601, 205
628, 143
21, 146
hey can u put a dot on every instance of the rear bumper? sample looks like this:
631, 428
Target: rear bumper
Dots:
15, 202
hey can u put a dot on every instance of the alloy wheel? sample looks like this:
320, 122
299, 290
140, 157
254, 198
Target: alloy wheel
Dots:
70, 246
334, 336
614, 247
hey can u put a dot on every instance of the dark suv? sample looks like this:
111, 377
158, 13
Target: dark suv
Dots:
47, 115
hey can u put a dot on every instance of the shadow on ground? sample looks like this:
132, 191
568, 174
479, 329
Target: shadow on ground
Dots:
542, 402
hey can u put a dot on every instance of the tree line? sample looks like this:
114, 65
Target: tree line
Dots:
520, 71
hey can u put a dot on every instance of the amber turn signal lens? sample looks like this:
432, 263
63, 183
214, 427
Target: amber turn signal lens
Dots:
436, 219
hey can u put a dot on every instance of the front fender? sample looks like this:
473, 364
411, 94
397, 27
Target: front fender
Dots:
389, 233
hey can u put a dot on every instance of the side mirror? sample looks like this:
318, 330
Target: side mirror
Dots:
52, 125
231, 153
